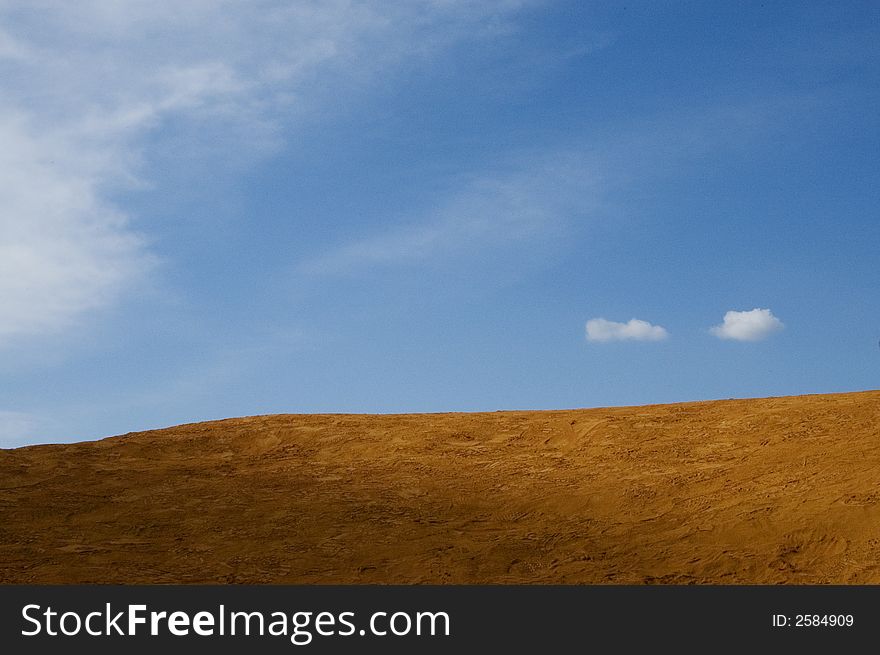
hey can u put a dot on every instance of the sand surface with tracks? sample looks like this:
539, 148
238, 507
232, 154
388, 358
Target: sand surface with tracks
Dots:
777, 490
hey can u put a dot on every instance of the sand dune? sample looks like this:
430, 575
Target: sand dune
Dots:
779, 490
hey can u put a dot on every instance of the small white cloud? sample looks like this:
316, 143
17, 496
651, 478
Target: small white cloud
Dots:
753, 325
599, 329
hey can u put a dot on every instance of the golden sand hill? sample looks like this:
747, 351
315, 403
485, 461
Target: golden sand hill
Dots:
778, 490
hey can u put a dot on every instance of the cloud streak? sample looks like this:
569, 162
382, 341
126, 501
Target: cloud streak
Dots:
531, 202
753, 325
600, 330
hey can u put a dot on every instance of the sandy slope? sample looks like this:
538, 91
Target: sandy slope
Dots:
754, 491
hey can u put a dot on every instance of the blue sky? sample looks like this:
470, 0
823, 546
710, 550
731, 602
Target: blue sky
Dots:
215, 209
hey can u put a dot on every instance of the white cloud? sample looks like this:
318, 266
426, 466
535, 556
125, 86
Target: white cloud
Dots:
753, 325
86, 83
64, 250
601, 330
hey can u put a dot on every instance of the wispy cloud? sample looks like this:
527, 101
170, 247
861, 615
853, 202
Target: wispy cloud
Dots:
602, 330
63, 250
532, 201
753, 325
85, 83
539, 195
